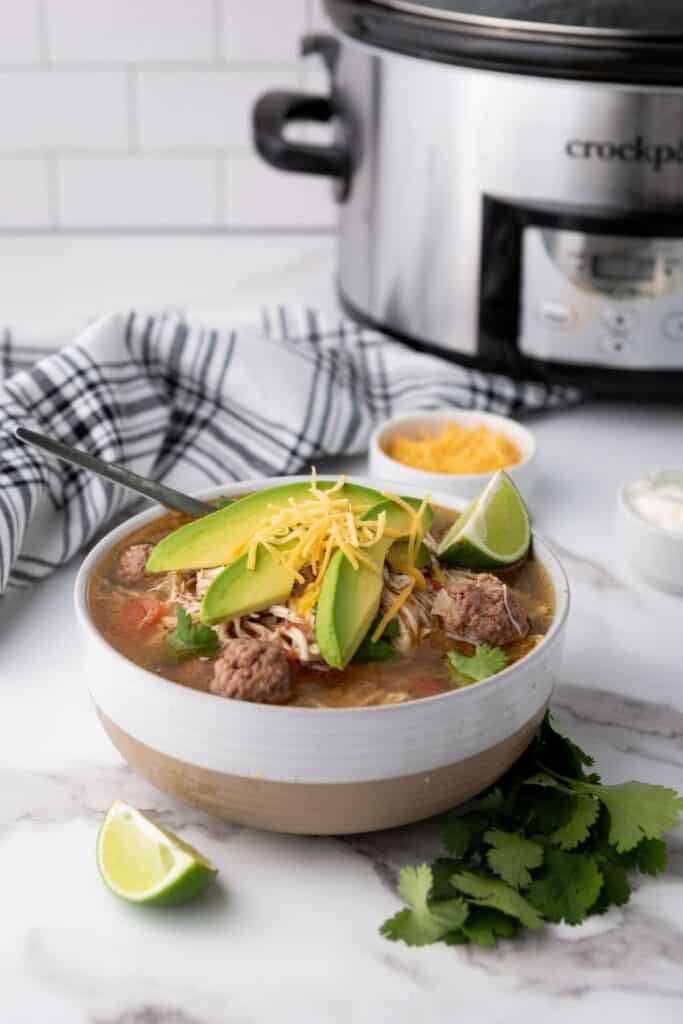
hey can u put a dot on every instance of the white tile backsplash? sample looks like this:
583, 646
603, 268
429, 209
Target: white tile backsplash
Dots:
256, 195
56, 110
260, 30
136, 191
19, 31
202, 110
130, 30
137, 113
24, 200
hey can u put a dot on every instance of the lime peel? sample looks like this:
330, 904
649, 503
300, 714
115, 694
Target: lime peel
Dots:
140, 862
492, 532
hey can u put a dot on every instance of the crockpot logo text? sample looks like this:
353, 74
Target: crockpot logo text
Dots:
635, 152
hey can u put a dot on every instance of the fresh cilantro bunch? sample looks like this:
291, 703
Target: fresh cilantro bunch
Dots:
548, 843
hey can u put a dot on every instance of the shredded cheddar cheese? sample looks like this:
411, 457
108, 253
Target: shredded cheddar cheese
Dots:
456, 449
303, 535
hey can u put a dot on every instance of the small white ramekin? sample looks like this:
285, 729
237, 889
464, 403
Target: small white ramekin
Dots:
656, 554
467, 484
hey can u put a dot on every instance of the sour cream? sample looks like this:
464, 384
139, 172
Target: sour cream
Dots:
658, 500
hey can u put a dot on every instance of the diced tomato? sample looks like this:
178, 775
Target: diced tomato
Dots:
138, 613
434, 584
425, 686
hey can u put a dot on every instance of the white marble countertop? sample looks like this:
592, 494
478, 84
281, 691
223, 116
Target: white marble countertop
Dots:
290, 934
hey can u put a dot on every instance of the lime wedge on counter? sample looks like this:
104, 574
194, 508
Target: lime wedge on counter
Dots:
143, 863
492, 532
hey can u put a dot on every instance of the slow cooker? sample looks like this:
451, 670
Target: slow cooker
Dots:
510, 180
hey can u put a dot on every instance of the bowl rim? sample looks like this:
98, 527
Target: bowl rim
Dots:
506, 677
445, 412
625, 507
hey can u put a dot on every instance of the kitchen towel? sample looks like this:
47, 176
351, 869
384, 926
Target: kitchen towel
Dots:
192, 405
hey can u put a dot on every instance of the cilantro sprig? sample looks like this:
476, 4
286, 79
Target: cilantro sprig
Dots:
486, 661
190, 640
548, 843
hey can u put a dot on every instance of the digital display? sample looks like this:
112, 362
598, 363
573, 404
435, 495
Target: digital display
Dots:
623, 268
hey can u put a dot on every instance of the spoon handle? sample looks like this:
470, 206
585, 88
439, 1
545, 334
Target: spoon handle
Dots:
166, 496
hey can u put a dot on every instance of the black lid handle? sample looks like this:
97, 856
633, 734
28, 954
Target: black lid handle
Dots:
274, 111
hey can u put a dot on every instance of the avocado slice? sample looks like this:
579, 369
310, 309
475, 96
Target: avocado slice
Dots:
239, 590
214, 539
397, 556
349, 598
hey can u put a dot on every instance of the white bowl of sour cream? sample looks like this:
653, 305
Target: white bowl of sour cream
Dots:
650, 527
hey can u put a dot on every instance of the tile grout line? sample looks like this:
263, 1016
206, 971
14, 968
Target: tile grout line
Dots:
52, 180
43, 33
219, 27
132, 110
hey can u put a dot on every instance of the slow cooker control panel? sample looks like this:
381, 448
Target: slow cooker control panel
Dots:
602, 299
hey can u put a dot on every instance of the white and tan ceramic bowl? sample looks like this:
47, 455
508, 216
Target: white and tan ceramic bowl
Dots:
318, 771
466, 485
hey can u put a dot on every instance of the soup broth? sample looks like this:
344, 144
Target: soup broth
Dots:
135, 619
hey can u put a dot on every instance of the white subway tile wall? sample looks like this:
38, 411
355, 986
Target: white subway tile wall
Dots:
137, 114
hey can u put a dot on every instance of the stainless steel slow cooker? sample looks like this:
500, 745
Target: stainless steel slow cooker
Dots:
510, 180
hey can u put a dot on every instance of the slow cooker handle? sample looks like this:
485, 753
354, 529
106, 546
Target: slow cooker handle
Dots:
274, 111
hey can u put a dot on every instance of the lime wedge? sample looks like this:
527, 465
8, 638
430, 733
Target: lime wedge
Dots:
492, 532
143, 863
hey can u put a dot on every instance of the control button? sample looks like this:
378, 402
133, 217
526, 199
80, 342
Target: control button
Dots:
673, 326
556, 314
616, 346
619, 319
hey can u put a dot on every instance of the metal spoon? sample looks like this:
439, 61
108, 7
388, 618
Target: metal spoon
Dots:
165, 496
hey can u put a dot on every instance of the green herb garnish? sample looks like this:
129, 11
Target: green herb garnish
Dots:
188, 639
224, 501
485, 662
380, 650
547, 843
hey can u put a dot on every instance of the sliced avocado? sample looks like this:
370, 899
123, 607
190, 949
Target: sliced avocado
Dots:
349, 598
239, 590
397, 556
214, 539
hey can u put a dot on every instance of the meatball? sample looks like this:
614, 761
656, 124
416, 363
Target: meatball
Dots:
131, 567
481, 610
252, 670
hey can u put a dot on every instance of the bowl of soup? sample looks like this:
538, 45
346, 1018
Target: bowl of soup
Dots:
224, 660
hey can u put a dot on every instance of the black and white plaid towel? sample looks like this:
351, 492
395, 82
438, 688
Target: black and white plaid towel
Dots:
194, 406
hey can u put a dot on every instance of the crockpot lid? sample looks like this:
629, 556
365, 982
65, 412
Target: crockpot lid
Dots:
639, 41
630, 17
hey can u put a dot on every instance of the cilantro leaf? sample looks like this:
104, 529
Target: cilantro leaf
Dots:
492, 801
555, 750
378, 650
486, 661
461, 831
423, 922
577, 829
512, 856
492, 892
649, 856
442, 869
615, 891
637, 810
484, 926
569, 887
188, 639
